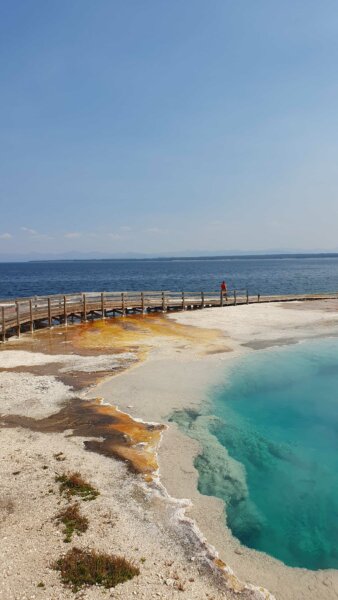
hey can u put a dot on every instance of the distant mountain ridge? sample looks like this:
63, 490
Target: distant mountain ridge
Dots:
194, 255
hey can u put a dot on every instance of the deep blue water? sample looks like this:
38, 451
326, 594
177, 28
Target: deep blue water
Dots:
270, 451
259, 275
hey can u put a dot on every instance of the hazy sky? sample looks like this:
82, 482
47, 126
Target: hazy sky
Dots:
168, 125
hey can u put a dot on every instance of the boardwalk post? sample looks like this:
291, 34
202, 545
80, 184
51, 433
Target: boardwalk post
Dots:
163, 301
123, 304
17, 318
247, 297
84, 300
31, 322
258, 297
49, 312
3, 332
221, 299
102, 305
202, 299
235, 297
183, 301
65, 311
142, 302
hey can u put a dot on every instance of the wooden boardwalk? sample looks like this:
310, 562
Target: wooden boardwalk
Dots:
27, 314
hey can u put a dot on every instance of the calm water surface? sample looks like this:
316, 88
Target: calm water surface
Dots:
270, 451
262, 275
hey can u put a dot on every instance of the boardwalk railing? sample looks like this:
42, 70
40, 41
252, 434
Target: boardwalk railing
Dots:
26, 314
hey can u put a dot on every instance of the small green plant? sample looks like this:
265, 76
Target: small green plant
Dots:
41, 584
73, 484
88, 567
73, 521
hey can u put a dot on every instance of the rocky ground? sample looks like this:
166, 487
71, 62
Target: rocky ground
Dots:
124, 519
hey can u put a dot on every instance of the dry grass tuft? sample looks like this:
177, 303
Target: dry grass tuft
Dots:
88, 567
73, 521
59, 456
73, 484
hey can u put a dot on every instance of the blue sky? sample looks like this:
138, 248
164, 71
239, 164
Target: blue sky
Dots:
159, 126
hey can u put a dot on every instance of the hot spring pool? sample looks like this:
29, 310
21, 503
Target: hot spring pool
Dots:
270, 451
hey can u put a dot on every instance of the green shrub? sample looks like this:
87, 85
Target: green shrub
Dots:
88, 567
73, 484
73, 521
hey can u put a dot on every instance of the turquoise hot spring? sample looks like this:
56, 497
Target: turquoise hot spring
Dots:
269, 438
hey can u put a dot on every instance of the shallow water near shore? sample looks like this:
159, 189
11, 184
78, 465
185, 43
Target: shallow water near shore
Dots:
269, 438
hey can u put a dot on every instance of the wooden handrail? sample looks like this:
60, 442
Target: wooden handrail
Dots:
29, 313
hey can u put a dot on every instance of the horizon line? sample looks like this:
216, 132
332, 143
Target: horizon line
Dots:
241, 255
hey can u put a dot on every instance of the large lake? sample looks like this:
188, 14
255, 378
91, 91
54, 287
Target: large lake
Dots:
264, 275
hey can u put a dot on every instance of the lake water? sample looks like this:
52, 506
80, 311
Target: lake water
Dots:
264, 275
270, 451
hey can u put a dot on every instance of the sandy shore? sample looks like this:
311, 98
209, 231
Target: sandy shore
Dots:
142, 521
